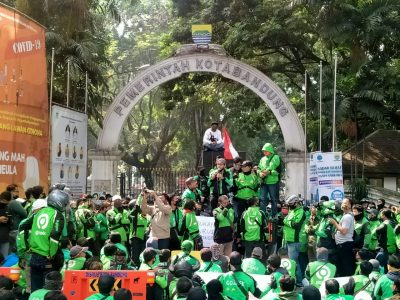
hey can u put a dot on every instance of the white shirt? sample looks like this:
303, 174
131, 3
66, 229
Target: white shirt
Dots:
347, 221
216, 134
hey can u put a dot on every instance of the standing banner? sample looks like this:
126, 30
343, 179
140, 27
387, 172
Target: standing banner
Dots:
24, 147
69, 149
326, 176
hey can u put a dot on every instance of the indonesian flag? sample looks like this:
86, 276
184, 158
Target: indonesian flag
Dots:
229, 151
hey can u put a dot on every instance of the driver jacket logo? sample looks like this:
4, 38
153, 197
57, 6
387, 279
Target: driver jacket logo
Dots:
42, 221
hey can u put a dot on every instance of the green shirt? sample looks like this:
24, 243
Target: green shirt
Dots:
318, 271
339, 297
232, 290
46, 229
210, 267
253, 224
290, 266
253, 266
246, 185
101, 227
118, 221
38, 294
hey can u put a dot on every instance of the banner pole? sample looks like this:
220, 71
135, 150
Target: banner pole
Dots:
320, 106
305, 135
68, 83
86, 93
51, 110
334, 109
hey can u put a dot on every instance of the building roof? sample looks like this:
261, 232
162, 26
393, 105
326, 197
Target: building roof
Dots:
381, 155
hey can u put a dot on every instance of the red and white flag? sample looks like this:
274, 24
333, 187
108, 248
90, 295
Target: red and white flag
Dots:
229, 151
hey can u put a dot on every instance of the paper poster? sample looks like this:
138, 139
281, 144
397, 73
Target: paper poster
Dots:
206, 227
24, 146
69, 149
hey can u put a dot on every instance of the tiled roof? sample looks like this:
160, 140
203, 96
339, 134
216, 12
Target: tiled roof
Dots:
381, 155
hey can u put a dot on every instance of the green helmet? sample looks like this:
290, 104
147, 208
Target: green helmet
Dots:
328, 208
268, 147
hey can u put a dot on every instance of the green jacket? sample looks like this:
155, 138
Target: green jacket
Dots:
184, 256
318, 271
275, 276
188, 194
220, 187
283, 296
101, 227
253, 224
46, 228
373, 225
362, 234
118, 221
175, 219
231, 288
210, 267
339, 297
383, 287
290, 266
361, 281
85, 222
190, 227
246, 185
253, 266
38, 294
293, 224
270, 163
139, 225
73, 264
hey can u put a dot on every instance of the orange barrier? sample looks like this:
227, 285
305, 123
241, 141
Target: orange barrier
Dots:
81, 284
12, 273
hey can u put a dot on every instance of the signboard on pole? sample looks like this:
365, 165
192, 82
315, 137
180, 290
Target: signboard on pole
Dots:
24, 146
326, 176
69, 149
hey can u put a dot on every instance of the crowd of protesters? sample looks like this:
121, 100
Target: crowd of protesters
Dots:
302, 248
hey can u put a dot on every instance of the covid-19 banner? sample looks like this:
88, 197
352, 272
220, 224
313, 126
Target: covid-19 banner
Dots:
326, 176
69, 149
24, 148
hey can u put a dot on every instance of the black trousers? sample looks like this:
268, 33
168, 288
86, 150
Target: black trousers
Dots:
346, 260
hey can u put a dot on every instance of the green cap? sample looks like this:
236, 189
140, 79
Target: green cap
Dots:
268, 147
187, 246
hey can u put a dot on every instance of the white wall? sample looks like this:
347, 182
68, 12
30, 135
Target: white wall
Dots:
390, 183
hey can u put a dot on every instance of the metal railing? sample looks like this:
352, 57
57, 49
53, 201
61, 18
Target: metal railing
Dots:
158, 179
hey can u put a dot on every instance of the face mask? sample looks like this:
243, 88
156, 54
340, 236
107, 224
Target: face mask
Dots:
284, 211
380, 206
358, 217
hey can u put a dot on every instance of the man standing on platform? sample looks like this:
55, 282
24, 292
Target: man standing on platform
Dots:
269, 172
212, 139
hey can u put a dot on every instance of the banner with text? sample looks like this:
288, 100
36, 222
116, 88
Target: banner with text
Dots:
206, 227
326, 176
24, 146
69, 149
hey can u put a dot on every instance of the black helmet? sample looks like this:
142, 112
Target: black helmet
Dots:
183, 268
58, 199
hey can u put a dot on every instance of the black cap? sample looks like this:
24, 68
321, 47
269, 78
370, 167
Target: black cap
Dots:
214, 123
246, 163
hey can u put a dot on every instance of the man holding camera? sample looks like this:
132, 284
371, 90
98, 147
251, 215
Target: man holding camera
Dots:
212, 139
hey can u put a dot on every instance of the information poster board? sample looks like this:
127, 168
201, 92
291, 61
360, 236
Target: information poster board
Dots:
69, 149
326, 176
24, 146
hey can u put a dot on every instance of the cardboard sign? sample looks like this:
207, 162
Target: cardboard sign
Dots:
206, 227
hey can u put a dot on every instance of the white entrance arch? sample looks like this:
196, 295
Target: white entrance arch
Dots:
192, 59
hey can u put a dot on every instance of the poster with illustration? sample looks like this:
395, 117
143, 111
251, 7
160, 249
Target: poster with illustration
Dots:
69, 149
24, 134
